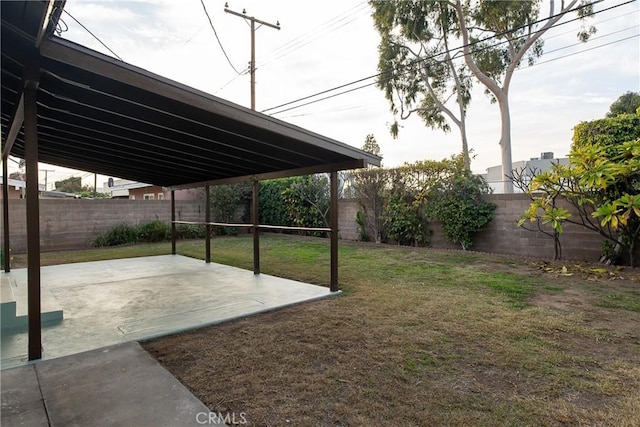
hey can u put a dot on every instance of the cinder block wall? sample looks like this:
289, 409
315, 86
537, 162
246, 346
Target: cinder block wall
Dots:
501, 235
347, 211
73, 224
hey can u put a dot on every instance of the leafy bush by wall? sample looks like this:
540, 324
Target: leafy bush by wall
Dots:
397, 203
121, 234
307, 201
458, 204
601, 182
273, 210
151, 232
190, 231
154, 231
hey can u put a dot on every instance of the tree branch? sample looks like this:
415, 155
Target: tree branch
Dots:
484, 79
531, 40
439, 104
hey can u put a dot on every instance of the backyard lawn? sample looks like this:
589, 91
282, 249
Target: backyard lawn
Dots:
418, 337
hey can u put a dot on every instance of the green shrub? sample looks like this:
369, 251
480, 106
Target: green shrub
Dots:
307, 201
190, 231
459, 205
404, 222
154, 231
273, 210
362, 227
226, 198
121, 234
225, 231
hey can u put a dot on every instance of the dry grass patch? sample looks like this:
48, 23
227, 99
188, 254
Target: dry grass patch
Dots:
421, 337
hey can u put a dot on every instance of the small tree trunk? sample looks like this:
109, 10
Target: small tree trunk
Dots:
505, 142
557, 247
465, 145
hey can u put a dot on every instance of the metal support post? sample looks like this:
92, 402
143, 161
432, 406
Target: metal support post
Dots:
255, 219
5, 216
33, 221
207, 227
173, 222
334, 231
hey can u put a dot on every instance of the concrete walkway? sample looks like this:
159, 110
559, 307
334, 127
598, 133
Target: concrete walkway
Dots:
115, 386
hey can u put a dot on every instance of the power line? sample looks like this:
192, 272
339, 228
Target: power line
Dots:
329, 110
533, 65
537, 63
432, 57
320, 31
591, 39
244, 73
553, 36
436, 55
217, 38
252, 20
582, 51
325, 98
94, 36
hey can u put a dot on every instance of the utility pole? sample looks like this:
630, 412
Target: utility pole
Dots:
46, 173
252, 64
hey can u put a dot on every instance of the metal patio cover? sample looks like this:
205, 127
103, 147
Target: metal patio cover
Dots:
99, 114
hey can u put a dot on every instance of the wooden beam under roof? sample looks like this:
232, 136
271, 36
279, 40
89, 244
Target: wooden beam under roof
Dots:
310, 170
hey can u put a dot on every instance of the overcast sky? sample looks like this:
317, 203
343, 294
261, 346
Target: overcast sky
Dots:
324, 44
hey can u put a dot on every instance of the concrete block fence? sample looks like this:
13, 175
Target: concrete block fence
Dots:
73, 224
501, 235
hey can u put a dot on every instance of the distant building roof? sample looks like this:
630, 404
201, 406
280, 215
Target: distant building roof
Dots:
528, 168
17, 183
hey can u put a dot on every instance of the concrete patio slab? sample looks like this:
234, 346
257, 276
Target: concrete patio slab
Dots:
114, 386
110, 302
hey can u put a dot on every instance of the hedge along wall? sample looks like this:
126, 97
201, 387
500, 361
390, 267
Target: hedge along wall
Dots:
74, 223
501, 235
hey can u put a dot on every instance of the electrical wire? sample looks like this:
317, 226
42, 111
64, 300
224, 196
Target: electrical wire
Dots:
244, 73
94, 36
329, 110
591, 39
582, 51
319, 28
217, 38
424, 59
193, 36
459, 48
525, 68
320, 31
546, 38
537, 63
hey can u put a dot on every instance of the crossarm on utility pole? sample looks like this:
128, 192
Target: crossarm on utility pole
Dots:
252, 67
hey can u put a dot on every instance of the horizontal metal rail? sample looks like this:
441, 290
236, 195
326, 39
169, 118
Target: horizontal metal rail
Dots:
217, 224
265, 227
284, 227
